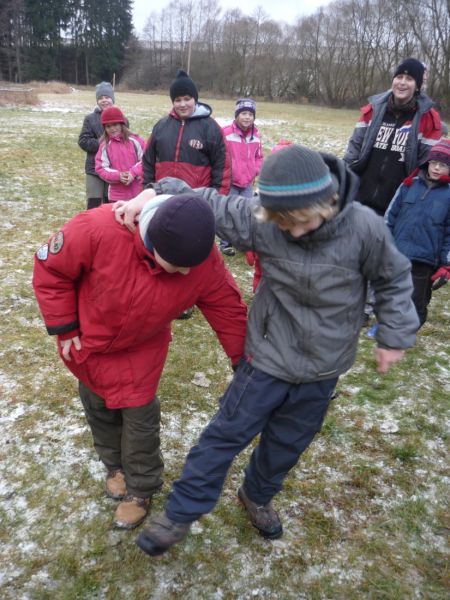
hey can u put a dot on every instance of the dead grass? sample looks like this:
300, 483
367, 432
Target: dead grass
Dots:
50, 87
18, 96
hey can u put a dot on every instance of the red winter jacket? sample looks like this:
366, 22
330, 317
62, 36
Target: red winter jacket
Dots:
193, 150
97, 280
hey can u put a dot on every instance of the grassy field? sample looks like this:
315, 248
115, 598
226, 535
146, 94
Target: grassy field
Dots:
365, 512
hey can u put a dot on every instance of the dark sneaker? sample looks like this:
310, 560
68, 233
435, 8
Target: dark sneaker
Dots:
115, 484
131, 512
228, 251
186, 314
161, 535
263, 517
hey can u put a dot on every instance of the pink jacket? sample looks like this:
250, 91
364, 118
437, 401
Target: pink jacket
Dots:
246, 154
118, 155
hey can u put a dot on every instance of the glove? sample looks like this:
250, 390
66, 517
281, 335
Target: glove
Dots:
250, 258
440, 278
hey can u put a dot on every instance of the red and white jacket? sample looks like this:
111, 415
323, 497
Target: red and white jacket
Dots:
193, 150
246, 154
97, 280
118, 155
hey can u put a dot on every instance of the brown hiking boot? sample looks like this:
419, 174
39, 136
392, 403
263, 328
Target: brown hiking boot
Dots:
131, 512
161, 535
115, 484
263, 517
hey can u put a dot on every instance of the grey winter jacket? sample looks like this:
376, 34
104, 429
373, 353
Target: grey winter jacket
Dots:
88, 140
307, 313
426, 130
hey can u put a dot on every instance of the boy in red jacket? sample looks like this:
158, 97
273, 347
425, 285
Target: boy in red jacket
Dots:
109, 296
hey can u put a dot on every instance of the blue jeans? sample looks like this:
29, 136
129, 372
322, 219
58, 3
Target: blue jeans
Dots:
287, 415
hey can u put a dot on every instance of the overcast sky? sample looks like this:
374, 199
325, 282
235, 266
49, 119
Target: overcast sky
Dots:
279, 10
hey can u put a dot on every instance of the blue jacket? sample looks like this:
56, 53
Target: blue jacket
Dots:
419, 219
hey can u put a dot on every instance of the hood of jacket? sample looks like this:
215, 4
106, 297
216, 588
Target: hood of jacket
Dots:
201, 111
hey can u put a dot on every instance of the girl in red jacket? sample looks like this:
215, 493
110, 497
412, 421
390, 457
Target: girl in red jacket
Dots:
119, 157
109, 296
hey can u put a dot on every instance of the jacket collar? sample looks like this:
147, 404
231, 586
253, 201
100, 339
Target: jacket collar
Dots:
424, 102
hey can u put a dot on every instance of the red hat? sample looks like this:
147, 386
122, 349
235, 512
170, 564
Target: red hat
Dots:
440, 152
113, 114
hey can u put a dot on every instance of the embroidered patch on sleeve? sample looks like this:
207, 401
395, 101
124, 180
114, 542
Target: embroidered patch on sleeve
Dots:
42, 253
56, 243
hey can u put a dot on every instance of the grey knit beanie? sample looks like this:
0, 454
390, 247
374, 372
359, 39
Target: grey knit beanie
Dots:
104, 89
293, 178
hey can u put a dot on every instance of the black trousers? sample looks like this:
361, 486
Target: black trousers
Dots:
421, 275
128, 439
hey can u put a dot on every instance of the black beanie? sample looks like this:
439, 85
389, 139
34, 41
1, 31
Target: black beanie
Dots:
183, 85
182, 230
294, 178
412, 67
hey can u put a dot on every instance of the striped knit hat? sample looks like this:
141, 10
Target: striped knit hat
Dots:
245, 104
440, 152
293, 178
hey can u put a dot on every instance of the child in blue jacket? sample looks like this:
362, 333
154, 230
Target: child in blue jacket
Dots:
419, 219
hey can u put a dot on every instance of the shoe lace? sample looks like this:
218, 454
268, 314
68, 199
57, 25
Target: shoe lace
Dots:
139, 501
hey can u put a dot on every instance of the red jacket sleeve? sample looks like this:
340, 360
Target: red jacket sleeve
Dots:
58, 267
222, 305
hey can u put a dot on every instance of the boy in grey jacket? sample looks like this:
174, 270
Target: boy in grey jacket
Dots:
318, 250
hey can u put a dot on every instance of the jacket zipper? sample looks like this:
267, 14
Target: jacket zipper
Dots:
180, 135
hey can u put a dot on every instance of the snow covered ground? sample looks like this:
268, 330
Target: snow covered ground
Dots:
364, 511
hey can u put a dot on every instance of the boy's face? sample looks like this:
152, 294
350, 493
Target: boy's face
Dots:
302, 227
437, 169
184, 106
168, 267
403, 88
245, 119
104, 102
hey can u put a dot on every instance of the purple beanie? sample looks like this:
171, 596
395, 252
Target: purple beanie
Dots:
245, 104
182, 230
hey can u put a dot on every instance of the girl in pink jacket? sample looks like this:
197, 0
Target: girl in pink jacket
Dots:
119, 157
244, 143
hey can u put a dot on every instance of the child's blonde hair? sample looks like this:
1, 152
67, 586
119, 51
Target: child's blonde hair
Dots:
326, 209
